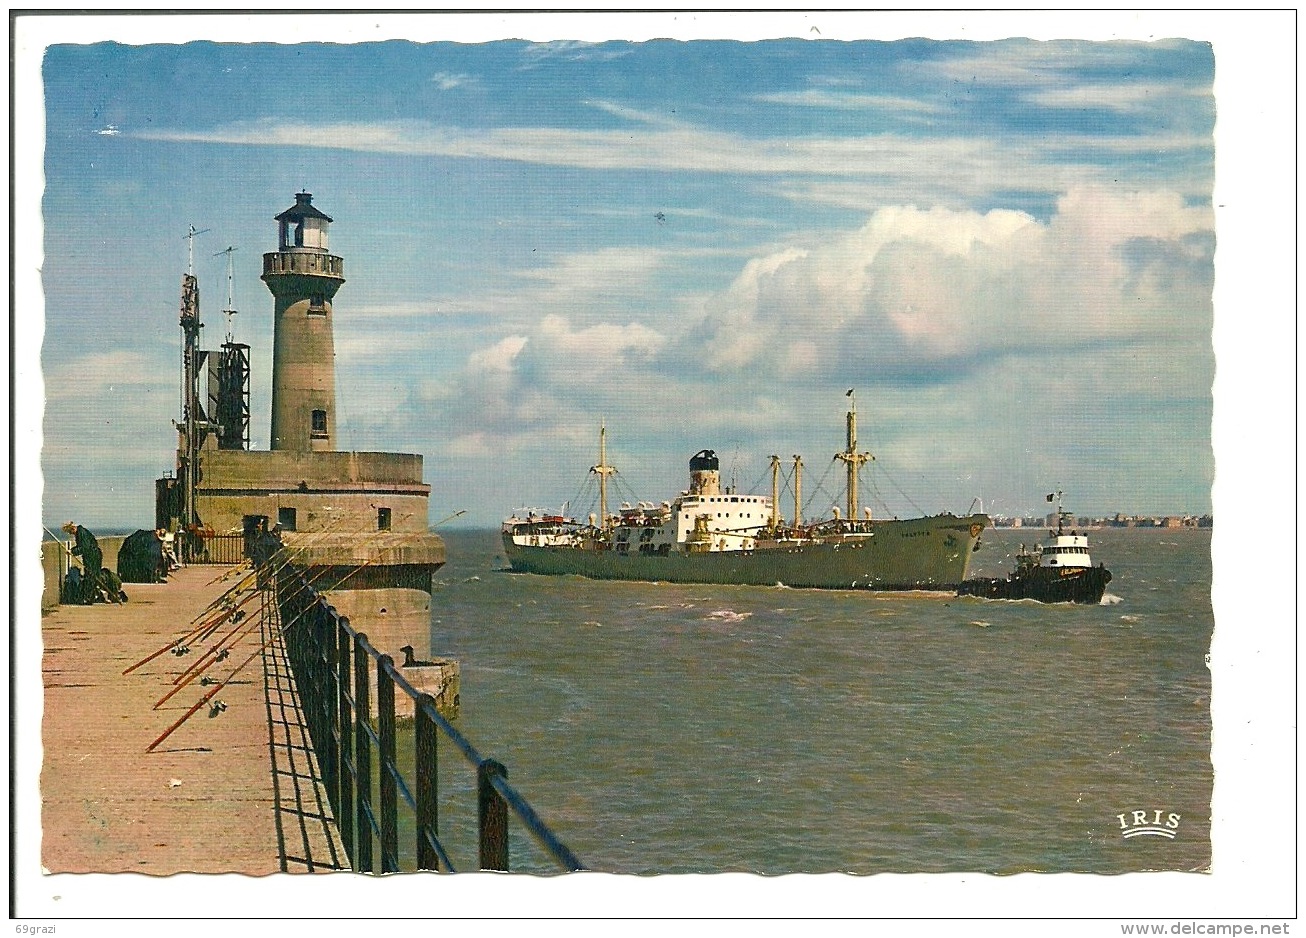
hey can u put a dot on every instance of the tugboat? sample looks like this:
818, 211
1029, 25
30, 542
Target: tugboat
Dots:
1059, 571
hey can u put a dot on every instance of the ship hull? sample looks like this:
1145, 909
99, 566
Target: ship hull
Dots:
917, 554
1046, 585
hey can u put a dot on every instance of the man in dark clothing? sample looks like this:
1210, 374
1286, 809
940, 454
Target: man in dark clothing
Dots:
88, 548
97, 582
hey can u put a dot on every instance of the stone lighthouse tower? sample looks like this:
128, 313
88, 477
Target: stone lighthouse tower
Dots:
356, 522
303, 277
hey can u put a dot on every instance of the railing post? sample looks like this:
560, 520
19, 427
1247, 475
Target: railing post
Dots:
426, 764
345, 719
385, 715
328, 762
362, 754
492, 817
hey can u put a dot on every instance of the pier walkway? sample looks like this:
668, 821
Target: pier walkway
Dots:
233, 789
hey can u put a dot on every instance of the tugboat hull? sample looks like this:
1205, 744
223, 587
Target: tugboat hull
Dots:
1046, 585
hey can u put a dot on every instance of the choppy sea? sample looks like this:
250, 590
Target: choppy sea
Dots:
677, 729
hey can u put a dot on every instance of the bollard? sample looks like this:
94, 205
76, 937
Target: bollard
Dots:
492, 817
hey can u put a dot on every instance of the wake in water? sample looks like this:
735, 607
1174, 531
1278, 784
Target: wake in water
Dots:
1110, 599
727, 615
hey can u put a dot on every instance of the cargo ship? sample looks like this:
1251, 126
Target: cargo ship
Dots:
1059, 570
708, 534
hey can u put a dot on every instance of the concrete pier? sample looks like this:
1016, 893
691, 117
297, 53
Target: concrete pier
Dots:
234, 789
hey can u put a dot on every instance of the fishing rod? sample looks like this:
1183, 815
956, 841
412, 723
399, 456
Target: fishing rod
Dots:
235, 589
237, 627
183, 642
216, 623
226, 575
280, 632
253, 572
203, 663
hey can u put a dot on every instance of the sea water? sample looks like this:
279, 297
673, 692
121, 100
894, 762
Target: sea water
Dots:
674, 728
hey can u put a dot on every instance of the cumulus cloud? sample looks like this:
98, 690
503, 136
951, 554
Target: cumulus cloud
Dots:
914, 288
913, 298
947, 318
498, 358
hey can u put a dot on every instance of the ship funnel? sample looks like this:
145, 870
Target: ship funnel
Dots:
704, 473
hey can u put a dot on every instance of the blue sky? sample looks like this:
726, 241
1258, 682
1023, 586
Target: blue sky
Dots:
1005, 246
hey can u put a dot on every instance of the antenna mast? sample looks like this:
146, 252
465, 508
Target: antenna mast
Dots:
190, 247
230, 309
189, 426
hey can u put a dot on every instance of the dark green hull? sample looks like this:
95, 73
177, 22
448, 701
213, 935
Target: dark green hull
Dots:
917, 554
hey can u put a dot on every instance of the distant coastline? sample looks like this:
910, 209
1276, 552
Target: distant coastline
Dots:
1115, 521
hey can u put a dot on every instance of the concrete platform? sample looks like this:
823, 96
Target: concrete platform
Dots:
237, 791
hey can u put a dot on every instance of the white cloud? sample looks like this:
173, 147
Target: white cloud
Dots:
95, 376
498, 358
1012, 64
536, 54
447, 81
598, 343
850, 101
1131, 97
931, 286
970, 165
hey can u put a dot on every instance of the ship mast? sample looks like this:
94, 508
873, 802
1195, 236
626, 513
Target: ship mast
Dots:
603, 470
852, 458
775, 493
798, 490
1058, 498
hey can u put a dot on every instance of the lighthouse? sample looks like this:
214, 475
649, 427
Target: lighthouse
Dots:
355, 522
303, 276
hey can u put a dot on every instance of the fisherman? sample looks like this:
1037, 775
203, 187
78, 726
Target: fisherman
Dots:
97, 583
169, 553
88, 548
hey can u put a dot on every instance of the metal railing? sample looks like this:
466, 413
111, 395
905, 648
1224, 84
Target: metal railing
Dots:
336, 669
201, 548
303, 262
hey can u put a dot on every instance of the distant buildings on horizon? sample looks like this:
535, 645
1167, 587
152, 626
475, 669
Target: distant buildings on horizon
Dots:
1118, 520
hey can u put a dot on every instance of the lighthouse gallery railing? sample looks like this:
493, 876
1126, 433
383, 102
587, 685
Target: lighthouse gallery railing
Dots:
335, 668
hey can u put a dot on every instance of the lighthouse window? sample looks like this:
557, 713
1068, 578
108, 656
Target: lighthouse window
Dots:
383, 519
286, 519
319, 423
317, 304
